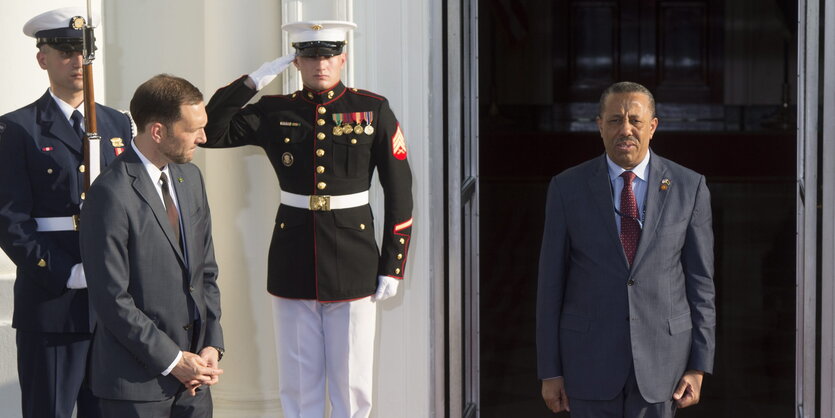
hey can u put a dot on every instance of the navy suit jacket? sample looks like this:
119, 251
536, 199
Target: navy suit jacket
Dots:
40, 155
596, 315
145, 290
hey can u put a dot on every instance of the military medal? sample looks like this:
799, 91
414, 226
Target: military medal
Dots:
358, 129
369, 118
287, 159
337, 131
347, 129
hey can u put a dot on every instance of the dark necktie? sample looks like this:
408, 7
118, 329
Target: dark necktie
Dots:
630, 229
170, 208
76, 123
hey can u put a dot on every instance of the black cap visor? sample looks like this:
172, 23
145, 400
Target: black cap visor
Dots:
62, 44
62, 39
318, 48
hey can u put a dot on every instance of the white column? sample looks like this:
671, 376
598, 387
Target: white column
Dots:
212, 43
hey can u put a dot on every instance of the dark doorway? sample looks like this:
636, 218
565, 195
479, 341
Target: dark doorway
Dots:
722, 73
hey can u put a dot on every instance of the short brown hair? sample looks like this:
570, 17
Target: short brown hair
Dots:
626, 87
159, 100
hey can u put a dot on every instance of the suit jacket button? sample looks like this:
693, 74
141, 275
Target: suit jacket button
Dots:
187, 327
630, 283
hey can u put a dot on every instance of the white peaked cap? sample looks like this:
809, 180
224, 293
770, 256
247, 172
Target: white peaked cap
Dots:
319, 30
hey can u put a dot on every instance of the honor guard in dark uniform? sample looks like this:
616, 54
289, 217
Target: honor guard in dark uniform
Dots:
41, 188
325, 268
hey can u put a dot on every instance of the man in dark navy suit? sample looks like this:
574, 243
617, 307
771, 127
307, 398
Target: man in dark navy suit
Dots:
41, 189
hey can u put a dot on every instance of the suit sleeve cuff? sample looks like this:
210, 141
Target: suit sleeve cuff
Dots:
174, 363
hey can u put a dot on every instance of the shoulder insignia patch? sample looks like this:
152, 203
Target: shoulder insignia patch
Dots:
398, 144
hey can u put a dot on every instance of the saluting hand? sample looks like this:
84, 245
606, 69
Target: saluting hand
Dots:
268, 71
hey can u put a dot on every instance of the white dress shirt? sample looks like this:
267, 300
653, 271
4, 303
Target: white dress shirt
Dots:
639, 186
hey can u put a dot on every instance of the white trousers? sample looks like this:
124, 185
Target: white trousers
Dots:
318, 342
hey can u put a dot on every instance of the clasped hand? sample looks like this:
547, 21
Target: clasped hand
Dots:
195, 370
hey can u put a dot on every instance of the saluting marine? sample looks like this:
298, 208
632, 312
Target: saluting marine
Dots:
324, 142
41, 188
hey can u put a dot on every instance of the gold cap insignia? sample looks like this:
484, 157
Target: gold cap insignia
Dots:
316, 27
77, 22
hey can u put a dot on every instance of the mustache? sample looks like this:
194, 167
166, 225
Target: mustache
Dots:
625, 138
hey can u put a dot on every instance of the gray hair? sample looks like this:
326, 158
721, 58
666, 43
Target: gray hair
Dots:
626, 87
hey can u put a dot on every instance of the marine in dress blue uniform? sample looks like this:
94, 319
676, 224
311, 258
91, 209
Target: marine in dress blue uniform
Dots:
324, 142
41, 188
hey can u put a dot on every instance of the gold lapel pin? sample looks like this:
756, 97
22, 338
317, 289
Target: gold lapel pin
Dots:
665, 184
179, 179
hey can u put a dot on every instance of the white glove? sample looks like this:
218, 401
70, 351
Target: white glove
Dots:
386, 288
269, 70
77, 279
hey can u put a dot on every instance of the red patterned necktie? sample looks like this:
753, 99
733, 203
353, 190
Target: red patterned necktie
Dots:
630, 229
170, 208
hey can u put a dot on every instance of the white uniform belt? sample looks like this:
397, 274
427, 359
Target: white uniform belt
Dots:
58, 223
324, 202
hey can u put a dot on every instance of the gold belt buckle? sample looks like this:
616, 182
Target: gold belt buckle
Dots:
76, 222
320, 203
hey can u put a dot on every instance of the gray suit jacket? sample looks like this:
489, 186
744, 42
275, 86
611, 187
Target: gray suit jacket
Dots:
142, 287
596, 316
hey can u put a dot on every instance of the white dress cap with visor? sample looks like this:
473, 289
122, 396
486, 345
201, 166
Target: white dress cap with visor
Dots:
315, 38
60, 28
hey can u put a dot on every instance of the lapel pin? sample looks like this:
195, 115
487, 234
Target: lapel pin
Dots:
665, 184
179, 179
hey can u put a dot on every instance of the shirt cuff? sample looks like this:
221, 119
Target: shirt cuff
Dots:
174, 363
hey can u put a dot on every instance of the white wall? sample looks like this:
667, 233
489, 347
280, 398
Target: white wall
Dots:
23, 82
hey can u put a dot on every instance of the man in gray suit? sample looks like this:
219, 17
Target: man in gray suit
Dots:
625, 301
149, 259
